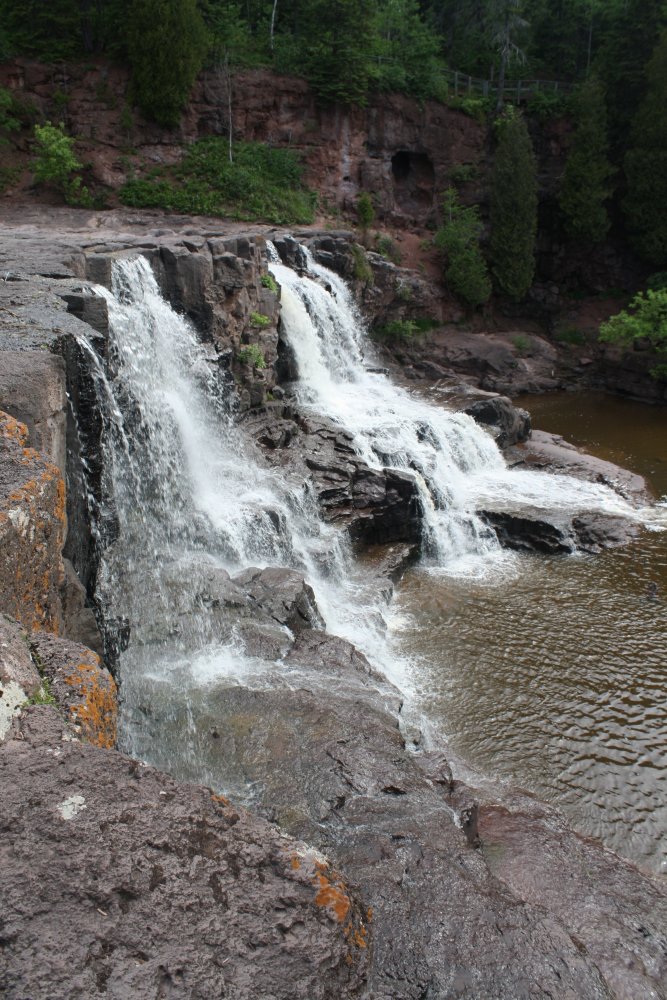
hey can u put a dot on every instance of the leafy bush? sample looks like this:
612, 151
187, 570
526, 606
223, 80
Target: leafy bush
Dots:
645, 319
545, 106
462, 173
259, 320
365, 211
362, 269
465, 270
56, 163
261, 183
521, 343
8, 177
9, 118
251, 355
398, 331
387, 248
570, 335
268, 281
478, 108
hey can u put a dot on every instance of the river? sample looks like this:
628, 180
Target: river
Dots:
553, 675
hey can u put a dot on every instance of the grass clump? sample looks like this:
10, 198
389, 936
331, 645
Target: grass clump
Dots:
261, 183
522, 344
268, 281
43, 695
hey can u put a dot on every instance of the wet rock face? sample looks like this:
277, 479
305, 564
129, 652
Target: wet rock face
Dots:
117, 881
508, 424
376, 506
326, 759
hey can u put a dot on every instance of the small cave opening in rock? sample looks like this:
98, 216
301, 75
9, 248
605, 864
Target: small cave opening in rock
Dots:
414, 181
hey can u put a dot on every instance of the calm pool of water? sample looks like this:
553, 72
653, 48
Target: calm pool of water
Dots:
555, 678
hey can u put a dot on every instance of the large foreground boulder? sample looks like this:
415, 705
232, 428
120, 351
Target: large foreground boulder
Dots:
119, 882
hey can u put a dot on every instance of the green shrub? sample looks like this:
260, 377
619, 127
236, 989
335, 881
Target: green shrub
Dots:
259, 320
465, 269
56, 163
251, 355
9, 176
462, 173
362, 269
365, 211
645, 319
545, 106
43, 695
478, 108
9, 117
522, 344
387, 248
398, 331
268, 281
166, 45
570, 335
262, 183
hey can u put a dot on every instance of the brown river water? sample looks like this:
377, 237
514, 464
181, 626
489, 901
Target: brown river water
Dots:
554, 678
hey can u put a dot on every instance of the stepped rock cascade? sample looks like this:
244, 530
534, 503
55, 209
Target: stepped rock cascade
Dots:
458, 467
198, 516
193, 504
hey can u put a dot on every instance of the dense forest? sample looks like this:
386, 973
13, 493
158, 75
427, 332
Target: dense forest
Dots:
609, 58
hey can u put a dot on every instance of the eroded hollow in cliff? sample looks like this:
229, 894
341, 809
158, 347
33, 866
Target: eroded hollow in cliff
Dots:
414, 180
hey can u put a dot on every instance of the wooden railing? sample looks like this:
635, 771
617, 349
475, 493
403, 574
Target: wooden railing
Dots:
462, 85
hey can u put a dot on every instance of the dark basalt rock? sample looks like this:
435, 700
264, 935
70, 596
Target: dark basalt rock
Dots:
377, 506
325, 758
117, 881
528, 534
508, 423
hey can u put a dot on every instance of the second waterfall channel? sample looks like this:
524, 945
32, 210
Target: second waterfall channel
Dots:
200, 514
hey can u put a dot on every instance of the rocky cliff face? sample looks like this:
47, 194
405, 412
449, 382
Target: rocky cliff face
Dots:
397, 148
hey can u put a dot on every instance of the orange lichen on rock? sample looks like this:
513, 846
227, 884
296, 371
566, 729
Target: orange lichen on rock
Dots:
96, 708
32, 532
332, 895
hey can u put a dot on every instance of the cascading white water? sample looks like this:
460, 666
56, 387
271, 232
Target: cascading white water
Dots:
193, 497
457, 465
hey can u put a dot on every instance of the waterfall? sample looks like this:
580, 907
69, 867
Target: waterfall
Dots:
195, 502
458, 467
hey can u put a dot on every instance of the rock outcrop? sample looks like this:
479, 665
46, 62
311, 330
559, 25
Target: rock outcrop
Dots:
374, 505
118, 881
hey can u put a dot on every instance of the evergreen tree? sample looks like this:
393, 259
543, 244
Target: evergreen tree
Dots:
585, 186
646, 165
407, 53
167, 43
458, 237
513, 206
336, 46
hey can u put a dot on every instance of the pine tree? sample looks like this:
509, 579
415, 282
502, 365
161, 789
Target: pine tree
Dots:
513, 206
458, 237
646, 165
585, 186
167, 43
